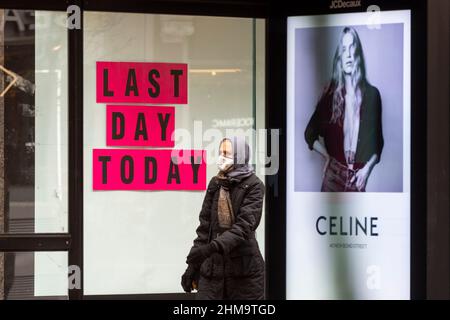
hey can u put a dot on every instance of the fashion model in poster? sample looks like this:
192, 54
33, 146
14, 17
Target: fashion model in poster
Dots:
346, 126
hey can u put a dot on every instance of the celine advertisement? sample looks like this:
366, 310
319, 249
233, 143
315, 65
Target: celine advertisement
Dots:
348, 169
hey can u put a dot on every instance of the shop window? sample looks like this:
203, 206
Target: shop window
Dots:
137, 241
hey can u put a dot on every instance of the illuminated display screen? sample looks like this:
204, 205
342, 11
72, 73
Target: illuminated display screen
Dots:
349, 155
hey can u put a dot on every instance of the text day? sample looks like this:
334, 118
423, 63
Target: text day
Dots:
140, 126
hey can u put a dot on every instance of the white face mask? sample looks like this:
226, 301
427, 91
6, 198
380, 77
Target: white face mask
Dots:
224, 163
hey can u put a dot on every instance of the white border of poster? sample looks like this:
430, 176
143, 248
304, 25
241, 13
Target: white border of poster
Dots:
343, 266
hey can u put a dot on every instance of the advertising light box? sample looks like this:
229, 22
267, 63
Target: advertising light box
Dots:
348, 156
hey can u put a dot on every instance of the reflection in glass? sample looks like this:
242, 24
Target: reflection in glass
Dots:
21, 280
33, 123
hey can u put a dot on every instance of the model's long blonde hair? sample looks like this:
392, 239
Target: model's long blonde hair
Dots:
358, 76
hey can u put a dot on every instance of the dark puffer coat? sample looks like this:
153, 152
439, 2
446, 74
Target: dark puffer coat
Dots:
237, 272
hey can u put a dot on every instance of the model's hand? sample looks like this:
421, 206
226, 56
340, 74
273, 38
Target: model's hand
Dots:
327, 163
361, 177
199, 254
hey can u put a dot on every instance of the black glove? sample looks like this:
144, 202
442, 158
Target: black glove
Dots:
188, 276
198, 254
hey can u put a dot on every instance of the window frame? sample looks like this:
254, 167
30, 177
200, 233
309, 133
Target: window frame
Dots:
231, 8
275, 84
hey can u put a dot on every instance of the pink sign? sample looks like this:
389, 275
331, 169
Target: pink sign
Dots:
141, 82
132, 169
140, 126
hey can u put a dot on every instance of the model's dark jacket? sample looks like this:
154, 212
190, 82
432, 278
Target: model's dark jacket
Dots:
237, 270
370, 135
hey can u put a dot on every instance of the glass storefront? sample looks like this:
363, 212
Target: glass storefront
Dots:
84, 86
146, 235
134, 242
34, 120
33, 152
34, 275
